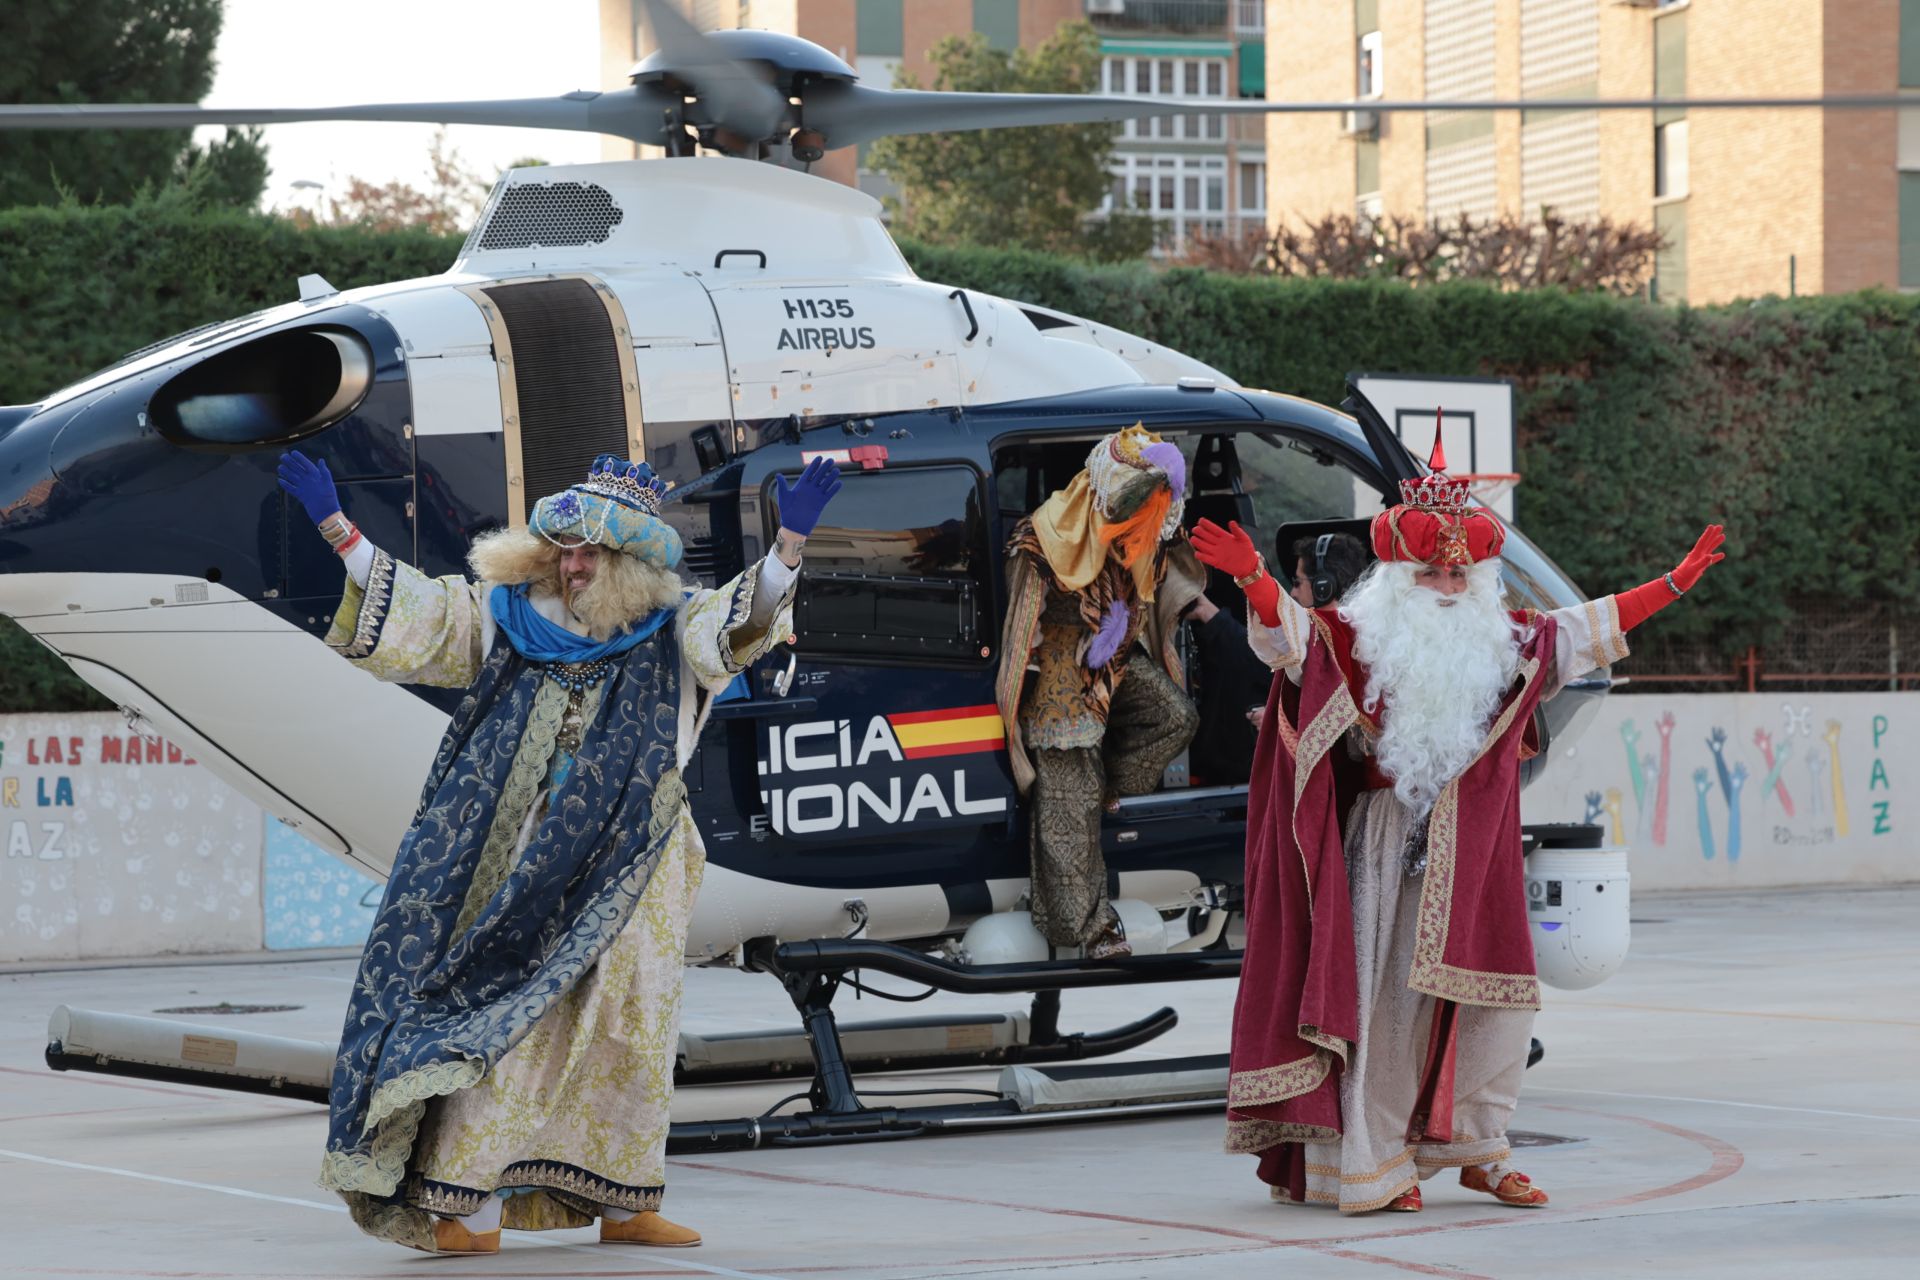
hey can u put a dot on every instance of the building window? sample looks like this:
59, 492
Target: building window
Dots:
880, 27
1253, 188
1670, 263
998, 21
1910, 231
1249, 16
1670, 160
1369, 80
1182, 193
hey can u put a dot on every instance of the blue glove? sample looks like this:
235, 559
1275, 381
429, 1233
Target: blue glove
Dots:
310, 483
802, 501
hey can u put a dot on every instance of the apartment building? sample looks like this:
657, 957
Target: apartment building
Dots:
1750, 202
1192, 173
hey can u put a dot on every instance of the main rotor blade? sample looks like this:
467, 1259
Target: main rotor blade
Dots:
638, 112
848, 114
731, 94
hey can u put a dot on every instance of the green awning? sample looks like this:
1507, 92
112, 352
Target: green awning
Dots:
1166, 49
1253, 68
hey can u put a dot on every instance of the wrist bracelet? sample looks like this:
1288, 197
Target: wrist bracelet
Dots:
343, 548
1259, 571
1671, 584
339, 533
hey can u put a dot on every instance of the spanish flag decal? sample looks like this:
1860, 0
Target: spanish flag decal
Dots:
956, 731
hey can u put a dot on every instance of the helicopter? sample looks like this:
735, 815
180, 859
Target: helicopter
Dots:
725, 318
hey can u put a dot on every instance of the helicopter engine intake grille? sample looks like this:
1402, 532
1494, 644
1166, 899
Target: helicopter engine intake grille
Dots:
546, 215
566, 365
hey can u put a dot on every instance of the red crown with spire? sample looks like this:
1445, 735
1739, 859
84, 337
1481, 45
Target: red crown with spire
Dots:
1435, 491
1434, 523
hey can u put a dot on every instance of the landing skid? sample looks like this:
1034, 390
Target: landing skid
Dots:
1030, 1092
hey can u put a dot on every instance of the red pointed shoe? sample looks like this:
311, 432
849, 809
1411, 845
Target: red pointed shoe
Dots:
1514, 1188
1407, 1201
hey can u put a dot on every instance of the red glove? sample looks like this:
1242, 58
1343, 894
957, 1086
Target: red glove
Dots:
1641, 603
1233, 554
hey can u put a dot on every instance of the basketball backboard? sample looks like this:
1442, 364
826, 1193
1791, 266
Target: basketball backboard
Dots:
1477, 422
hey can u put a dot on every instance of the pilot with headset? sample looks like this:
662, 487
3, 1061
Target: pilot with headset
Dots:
1233, 689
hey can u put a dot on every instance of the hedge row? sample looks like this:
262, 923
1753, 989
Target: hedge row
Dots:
1795, 423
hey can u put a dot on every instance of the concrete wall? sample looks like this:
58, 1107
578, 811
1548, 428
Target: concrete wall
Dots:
1835, 812
120, 846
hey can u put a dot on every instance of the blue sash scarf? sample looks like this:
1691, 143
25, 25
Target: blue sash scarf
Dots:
536, 638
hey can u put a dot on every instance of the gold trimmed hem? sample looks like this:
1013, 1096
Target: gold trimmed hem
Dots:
1249, 1137
1268, 1085
1426, 1160
1429, 972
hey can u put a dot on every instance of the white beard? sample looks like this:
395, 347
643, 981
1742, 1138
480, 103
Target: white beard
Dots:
1437, 667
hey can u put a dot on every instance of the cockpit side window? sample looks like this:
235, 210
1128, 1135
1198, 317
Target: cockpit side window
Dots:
899, 569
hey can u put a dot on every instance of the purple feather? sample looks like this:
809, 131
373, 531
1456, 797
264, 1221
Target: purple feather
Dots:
1106, 641
1168, 458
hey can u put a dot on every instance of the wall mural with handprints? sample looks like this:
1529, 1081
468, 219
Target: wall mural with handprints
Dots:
118, 843
1719, 789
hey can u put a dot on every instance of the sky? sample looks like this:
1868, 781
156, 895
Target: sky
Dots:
275, 54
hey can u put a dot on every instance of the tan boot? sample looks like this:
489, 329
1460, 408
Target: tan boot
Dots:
450, 1235
648, 1228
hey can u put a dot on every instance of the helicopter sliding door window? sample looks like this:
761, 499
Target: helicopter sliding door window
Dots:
899, 570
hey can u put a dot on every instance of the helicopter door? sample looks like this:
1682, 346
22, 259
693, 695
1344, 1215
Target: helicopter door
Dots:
888, 753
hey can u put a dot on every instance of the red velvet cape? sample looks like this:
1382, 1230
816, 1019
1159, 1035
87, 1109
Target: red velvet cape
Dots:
1297, 1011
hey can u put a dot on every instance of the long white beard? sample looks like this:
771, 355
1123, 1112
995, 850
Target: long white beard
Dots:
1437, 669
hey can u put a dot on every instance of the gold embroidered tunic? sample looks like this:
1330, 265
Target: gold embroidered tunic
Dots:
576, 1114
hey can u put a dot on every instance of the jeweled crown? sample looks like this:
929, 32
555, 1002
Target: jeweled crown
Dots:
631, 483
1435, 491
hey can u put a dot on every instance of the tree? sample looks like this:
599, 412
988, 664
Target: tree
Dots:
454, 197
1034, 187
72, 51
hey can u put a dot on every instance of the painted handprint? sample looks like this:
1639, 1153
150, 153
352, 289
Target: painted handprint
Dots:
1613, 811
1594, 805
1839, 784
1775, 767
1665, 725
1701, 785
1816, 785
1647, 766
1630, 736
1738, 781
1717, 743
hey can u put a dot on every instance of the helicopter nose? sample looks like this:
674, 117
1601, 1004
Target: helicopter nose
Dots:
27, 485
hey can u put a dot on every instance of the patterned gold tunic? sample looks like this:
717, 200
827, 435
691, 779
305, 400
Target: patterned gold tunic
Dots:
576, 1114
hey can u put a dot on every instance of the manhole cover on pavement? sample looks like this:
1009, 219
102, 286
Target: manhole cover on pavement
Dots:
225, 1007
1520, 1138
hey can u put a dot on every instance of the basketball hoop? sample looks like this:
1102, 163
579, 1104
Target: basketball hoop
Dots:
1488, 486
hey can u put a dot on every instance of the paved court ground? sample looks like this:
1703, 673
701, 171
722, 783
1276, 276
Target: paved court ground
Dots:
1743, 1100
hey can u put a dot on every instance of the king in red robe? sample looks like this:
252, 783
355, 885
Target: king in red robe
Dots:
1387, 998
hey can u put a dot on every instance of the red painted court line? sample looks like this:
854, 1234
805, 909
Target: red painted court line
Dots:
1419, 1268
1230, 1233
1727, 1159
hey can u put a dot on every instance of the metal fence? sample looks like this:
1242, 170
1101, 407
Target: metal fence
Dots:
1827, 647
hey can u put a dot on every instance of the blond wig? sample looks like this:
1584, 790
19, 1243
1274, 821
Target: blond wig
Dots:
624, 588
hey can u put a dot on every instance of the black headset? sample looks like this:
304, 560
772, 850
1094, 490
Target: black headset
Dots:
1321, 579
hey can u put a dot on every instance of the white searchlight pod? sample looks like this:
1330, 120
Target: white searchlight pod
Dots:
1577, 905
